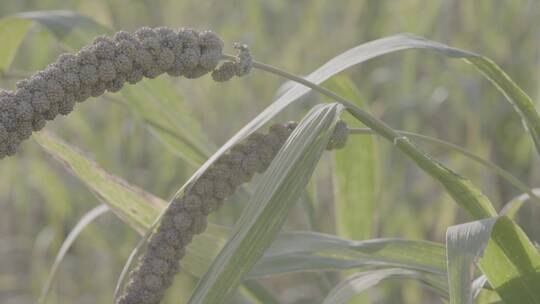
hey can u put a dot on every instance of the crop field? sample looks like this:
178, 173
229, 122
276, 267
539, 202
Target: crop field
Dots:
181, 151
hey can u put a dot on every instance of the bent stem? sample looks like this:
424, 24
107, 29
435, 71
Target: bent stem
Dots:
481, 208
373, 123
488, 164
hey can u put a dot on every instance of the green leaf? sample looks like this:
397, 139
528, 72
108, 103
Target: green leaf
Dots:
163, 110
465, 243
311, 251
373, 49
360, 282
461, 190
317, 254
512, 264
355, 174
280, 187
511, 208
471, 199
315, 251
510, 260
133, 205
12, 32
522, 103
488, 296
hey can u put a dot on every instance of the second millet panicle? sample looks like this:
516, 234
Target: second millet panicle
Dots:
187, 214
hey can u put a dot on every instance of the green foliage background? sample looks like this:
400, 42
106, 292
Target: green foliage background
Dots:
415, 91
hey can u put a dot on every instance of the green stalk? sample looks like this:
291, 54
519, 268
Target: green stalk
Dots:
459, 188
488, 164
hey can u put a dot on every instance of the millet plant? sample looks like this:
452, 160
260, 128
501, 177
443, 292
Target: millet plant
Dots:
490, 253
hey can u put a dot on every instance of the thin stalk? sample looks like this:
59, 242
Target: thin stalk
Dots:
377, 125
88, 218
480, 209
490, 165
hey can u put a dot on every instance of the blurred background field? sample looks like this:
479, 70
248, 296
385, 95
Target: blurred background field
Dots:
40, 201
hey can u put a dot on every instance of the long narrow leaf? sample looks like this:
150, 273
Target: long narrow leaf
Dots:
163, 110
311, 251
461, 189
464, 243
512, 264
88, 218
387, 45
509, 261
133, 205
511, 208
316, 251
355, 173
522, 103
378, 48
359, 283
499, 262
519, 99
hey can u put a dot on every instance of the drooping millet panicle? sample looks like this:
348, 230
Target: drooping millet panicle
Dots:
106, 65
186, 215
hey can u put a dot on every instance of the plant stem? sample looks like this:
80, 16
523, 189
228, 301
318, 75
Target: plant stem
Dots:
498, 170
374, 123
476, 204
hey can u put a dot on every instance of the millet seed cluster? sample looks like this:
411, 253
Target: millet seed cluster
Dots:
186, 216
106, 65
